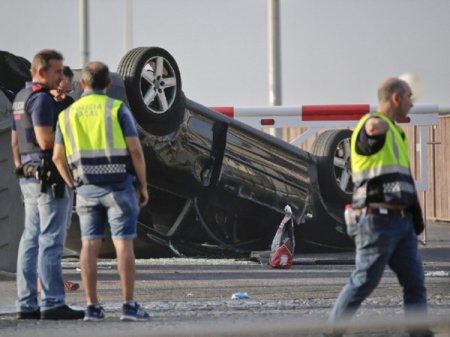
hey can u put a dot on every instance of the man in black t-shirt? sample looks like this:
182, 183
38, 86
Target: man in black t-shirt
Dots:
65, 87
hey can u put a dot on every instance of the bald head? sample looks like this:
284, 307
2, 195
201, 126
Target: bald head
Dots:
394, 98
392, 86
95, 75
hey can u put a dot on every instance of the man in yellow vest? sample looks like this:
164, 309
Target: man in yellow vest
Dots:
384, 201
98, 153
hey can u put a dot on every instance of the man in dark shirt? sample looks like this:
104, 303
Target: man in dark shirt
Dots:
63, 101
42, 242
65, 87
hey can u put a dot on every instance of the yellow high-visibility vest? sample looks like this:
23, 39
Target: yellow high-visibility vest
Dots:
93, 140
390, 165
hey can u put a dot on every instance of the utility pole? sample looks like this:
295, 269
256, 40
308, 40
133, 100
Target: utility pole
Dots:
84, 32
274, 58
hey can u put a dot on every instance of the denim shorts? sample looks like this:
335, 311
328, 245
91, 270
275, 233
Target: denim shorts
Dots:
118, 208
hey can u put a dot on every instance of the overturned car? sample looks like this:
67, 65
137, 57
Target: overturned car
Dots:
218, 187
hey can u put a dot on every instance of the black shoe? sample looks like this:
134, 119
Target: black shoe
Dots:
29, 315
63, 312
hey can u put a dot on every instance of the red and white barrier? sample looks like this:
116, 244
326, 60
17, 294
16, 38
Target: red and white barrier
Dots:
317, 117
320, 116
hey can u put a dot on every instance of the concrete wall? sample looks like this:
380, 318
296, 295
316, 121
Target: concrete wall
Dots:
11, 205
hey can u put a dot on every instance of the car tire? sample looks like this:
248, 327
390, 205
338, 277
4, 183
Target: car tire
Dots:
332, 151
153, 85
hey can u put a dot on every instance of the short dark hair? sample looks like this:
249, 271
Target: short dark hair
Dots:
68, 72
96, 75
390, 86
43, 58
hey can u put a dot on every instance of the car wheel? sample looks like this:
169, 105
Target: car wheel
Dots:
332, 151
152, 82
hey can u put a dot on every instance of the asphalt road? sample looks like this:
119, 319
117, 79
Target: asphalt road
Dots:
192, 297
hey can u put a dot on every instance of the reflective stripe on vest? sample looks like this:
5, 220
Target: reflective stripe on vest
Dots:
93, 139
390, 164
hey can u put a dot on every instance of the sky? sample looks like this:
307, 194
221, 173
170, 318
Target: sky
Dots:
332, 51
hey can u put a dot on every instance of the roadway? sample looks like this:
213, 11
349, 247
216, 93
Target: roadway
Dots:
192, 297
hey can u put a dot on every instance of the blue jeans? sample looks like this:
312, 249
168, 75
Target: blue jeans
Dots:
40, 249
383, 240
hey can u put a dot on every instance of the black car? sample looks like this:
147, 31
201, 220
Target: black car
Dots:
218, 187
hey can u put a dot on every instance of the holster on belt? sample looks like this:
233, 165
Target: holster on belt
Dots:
51, 178
46, 173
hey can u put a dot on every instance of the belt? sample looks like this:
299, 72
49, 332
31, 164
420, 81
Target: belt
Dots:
387, 211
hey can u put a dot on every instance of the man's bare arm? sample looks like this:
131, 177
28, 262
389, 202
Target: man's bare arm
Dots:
59, 158
138, 161
45, 137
